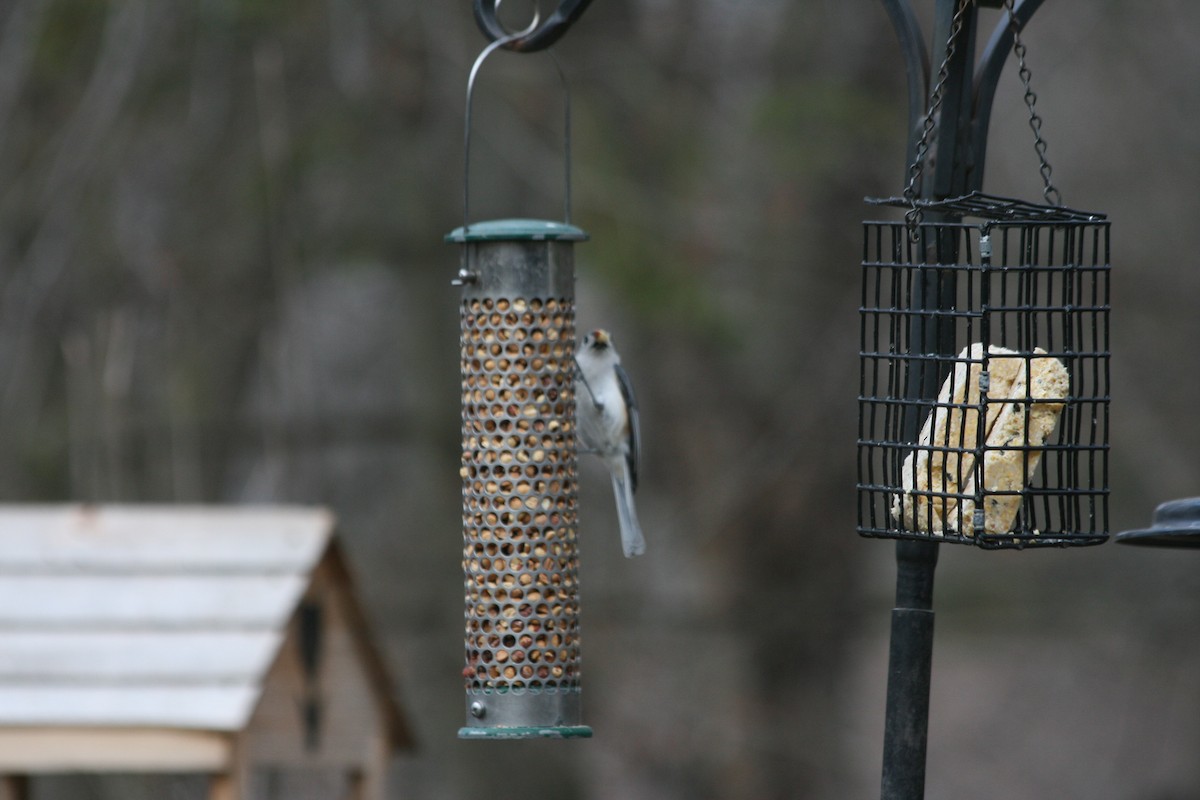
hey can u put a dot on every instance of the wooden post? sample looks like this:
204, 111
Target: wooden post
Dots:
369, 781
361, 787
234, 782
232, 785
221, 787
14, 787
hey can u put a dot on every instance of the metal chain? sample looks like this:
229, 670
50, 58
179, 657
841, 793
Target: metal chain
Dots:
912, 217
1052, 195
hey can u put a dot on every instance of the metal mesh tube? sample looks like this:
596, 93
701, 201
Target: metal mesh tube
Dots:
520, 518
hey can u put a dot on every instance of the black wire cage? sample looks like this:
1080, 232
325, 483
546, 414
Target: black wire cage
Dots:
984, 395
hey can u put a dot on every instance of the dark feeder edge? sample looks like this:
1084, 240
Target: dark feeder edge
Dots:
1176, 523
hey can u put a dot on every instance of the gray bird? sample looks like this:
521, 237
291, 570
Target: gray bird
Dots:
607, 415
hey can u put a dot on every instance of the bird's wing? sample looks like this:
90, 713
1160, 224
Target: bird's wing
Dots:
635, 427
583, 379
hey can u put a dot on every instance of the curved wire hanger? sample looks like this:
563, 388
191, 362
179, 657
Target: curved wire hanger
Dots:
506, 41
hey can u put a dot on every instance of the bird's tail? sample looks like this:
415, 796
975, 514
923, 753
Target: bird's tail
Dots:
632, 540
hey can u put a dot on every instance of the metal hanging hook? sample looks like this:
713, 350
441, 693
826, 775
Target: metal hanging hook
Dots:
539, 36
528, 29
499, 43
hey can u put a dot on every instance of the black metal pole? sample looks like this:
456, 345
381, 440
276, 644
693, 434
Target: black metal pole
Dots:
910, 656
954, 168
910, 663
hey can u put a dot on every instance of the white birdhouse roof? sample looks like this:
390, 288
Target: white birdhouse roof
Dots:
155, 617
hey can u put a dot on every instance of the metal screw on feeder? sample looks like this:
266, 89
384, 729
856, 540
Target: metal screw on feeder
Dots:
983, 403
520, 554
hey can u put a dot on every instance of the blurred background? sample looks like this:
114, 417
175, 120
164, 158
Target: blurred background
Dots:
222, 279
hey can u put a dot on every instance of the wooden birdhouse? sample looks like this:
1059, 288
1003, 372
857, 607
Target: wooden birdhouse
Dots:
224, 641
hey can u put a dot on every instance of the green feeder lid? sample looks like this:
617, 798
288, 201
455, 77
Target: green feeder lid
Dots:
517, 230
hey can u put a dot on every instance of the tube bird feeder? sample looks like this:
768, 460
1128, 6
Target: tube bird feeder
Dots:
520, 518
519, 491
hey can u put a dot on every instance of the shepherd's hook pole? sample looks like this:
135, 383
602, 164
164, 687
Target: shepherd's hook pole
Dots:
955, 151
910, 661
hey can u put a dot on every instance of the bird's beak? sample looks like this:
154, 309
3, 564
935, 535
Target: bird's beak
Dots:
601, 337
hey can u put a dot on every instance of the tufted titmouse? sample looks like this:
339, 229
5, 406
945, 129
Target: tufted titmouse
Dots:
607, 415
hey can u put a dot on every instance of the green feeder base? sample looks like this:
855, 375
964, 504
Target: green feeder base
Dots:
524, 715
544, 732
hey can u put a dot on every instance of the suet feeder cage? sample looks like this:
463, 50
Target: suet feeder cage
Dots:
984, 386
519, 495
